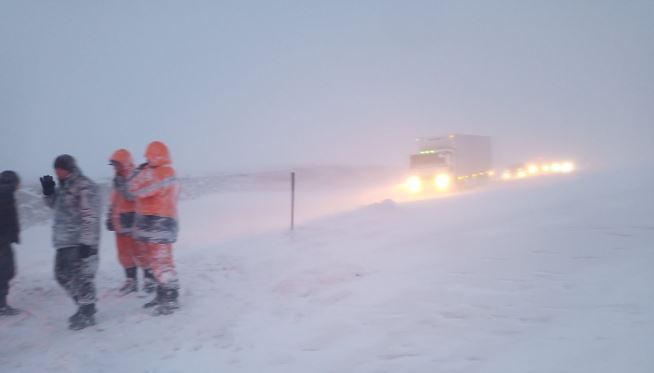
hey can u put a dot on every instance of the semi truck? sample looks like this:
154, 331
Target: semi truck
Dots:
443, 163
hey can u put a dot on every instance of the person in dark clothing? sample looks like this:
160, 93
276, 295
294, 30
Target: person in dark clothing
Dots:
76, 235
9, 234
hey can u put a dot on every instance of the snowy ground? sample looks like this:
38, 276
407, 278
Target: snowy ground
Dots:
536, 276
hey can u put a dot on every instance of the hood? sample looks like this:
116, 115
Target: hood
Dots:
157, 154
123, 157
9, 181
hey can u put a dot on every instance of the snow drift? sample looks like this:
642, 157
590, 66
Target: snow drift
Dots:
538, 276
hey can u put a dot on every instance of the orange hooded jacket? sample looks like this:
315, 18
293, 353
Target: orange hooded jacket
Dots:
155, 190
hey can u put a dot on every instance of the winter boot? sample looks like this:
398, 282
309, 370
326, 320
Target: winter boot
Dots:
149, 283
76, 314
130, 285
88, 309
85, 317
5, 309
80, 310
157, 299
168, 303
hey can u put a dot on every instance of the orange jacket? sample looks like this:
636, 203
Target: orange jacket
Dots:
155, 188
121, 210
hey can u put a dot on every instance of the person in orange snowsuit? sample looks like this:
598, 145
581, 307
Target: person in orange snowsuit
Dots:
120, 219
155, 190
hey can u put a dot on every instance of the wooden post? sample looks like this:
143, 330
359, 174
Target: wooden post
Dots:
293, 200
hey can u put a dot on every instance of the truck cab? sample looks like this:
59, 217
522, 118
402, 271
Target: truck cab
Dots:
443, 162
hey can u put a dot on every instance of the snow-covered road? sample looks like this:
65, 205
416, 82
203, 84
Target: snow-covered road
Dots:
535, 276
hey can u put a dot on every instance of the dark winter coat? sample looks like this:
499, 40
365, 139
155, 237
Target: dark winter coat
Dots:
9, 224
76, 204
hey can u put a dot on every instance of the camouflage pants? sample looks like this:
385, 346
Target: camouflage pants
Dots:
77, 275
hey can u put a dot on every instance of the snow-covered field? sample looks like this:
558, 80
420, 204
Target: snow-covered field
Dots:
536, 276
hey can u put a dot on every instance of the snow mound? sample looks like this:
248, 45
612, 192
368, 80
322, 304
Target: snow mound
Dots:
537, 276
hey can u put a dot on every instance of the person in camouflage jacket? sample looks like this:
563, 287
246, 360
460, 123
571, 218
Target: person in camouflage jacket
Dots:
76, 235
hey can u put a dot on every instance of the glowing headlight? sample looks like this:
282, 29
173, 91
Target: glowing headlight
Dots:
442, 181
521, 174
545, 168
532, 169
555, 167
506, 175
567, 167
414, 184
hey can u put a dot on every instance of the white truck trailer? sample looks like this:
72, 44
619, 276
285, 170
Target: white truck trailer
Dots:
445, 162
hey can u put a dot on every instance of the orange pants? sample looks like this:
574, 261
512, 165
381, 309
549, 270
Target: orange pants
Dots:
131, 253
160, 258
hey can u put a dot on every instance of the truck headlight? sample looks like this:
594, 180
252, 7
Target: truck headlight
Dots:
532, 169
414, 184
442, 181
567, 167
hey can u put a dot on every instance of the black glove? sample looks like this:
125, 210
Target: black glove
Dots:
48, 185
110, 225
84, 251
118, 181
142, 166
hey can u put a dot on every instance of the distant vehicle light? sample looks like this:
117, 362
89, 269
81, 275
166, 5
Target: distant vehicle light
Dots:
532, 169
545, 168
491, 173
506, 175
414, 184
555, 167
567, 167
521, 174
442, 181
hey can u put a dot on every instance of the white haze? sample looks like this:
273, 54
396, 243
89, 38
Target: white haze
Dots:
250, 85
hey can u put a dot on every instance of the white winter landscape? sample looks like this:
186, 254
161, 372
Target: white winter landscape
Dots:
544, 275
387, 111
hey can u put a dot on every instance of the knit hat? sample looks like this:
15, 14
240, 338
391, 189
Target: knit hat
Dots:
65, 162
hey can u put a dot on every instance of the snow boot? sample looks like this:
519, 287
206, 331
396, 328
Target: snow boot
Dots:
130, 285
73, 316
5, 309
85, 317
168, 303
149, 283
157, 299
88, 309
9, 311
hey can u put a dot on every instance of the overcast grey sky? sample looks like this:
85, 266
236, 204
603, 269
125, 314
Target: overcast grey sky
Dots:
250, 84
